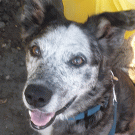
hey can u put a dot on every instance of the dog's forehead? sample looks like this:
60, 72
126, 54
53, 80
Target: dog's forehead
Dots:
63, 40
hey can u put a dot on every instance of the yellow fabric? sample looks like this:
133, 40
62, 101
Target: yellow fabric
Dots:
79, 10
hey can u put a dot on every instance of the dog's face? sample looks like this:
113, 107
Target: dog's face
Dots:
59, 69
63, 61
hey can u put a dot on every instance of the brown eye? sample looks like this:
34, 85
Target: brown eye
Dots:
78, 61
35, 51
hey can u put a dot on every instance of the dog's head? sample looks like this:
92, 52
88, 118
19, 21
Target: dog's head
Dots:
64, 59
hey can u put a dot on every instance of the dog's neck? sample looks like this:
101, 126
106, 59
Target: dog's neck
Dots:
91, 111
85, 116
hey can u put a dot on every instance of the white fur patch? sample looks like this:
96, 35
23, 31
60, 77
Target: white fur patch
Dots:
46, 131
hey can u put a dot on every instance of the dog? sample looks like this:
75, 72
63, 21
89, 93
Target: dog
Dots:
72, 87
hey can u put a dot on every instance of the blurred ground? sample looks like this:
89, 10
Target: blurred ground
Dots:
13, 114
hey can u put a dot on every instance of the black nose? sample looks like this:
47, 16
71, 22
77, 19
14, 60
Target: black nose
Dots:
37, 96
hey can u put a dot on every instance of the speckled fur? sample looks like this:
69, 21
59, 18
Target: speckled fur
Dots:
60, 41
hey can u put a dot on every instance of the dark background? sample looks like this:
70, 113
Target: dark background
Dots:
14, 118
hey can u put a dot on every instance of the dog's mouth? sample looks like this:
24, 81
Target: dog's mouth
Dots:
41, 120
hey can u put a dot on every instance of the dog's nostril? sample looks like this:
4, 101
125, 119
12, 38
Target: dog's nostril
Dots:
41, 100
29, 97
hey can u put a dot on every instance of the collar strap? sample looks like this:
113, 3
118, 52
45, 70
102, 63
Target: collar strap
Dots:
89, 112
112, 131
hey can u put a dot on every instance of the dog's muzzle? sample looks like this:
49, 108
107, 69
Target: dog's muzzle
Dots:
41, 120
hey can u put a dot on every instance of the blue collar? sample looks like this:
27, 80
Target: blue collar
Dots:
112, 131
95, 109
89, 112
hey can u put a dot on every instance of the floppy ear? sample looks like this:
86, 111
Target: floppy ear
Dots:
37, 13
109, 28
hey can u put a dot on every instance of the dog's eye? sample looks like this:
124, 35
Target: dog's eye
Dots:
78, 61
35, 51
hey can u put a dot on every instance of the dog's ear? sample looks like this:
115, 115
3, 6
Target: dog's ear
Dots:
109, 29
37, 13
